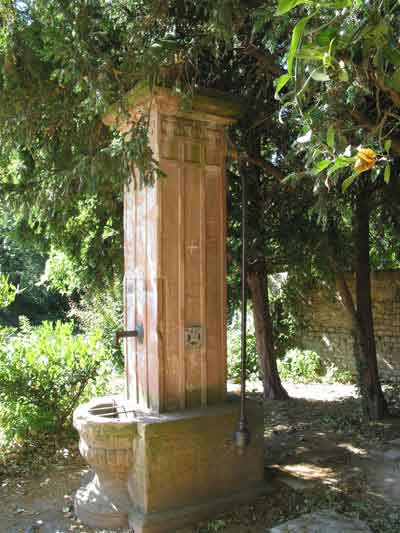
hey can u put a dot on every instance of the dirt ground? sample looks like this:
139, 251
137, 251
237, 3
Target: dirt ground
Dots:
318, 454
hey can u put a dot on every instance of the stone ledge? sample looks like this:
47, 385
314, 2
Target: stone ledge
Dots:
171, 520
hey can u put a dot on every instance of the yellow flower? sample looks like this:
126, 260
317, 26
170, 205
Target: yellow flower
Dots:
366, 159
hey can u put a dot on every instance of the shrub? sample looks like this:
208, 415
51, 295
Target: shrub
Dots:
7, 291
336, 375
102, 310
45, 371
234, 350
300, 366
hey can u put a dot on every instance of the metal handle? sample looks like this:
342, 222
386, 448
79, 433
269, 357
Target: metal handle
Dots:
123, 334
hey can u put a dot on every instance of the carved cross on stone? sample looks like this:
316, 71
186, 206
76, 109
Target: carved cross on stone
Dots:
193, 247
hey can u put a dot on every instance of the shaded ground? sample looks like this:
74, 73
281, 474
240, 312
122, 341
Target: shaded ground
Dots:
319, 455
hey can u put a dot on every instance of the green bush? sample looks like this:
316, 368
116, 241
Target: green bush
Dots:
7, 291
234, 350
300, 366
336, 375
45, 371
102, 311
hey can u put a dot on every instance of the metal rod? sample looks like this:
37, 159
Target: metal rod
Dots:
242, 435
244, 299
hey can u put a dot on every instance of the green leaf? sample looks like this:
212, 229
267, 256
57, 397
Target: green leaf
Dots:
295, 42
388, 145
343, 75
320, 75
348, 181
330, 137
394, 81
286, 5
325, 36
386, 175
320, 166
281, 82
311, 52
392, 55
341, 162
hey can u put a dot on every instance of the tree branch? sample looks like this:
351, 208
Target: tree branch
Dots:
393, 95
363, 122
266, 166
265, 60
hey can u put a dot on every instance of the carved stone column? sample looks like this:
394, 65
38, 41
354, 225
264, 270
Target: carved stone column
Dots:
175, 256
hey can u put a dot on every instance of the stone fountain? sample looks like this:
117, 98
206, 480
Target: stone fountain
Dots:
165, 455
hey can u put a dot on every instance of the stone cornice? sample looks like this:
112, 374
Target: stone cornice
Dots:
207, 105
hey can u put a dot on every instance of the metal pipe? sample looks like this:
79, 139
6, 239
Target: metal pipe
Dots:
244, 298
242, 435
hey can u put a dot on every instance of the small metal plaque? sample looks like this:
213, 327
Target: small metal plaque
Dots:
193, 337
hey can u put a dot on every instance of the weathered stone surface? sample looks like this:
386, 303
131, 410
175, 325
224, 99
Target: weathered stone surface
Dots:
178, 467
328, 326
107, 445
322, 522
189, 457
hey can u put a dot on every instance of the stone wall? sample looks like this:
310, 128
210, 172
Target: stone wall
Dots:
328, 325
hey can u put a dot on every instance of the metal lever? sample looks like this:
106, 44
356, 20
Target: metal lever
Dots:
122, 334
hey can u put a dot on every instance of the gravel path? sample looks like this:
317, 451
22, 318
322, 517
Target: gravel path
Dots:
308, 391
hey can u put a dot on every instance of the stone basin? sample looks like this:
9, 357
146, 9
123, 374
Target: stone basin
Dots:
107, 428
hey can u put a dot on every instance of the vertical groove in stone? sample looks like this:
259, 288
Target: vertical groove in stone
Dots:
203, 282
181, 201
222, 252
159, 274
147, 287
135, 289
127, 199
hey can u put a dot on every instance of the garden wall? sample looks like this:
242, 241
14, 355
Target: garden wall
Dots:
328, 326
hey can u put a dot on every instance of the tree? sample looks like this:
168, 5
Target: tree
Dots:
342, 67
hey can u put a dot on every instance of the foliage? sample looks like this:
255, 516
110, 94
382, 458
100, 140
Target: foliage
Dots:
306, 366
62, 169
102, 310
336, 375
300, 366
22, 263
7, 291
235, 350
343, 68
60, 273
286, 302
45, 371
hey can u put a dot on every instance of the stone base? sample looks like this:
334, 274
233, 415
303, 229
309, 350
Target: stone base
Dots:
187, 466
178, 518
97, 505
183, 467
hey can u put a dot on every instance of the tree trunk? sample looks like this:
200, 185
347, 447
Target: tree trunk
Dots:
257, 281
374, 401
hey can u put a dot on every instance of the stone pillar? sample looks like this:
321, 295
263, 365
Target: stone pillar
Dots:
183, 463
175, 257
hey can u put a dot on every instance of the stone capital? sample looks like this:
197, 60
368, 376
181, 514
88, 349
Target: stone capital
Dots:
204, 105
